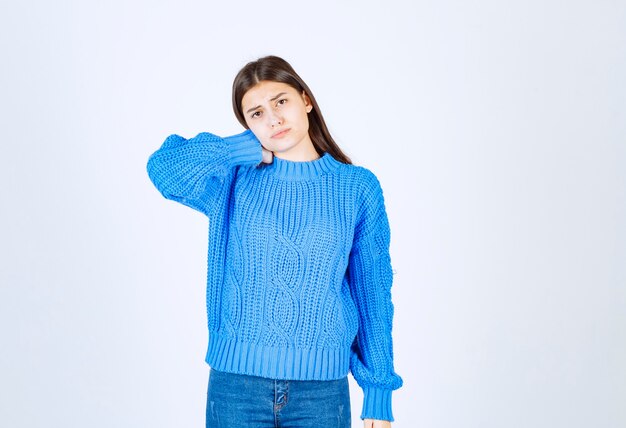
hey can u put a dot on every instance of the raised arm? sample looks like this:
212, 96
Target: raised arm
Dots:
193, 171
370, 277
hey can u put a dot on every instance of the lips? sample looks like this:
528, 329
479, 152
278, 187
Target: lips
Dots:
281, 133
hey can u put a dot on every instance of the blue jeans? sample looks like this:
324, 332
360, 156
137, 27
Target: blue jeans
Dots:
236, 400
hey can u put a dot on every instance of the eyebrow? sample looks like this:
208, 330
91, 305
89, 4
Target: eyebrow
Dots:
271, 99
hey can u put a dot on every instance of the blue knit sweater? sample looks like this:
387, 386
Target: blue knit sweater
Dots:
299, 273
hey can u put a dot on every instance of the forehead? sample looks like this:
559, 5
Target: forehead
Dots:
264, 91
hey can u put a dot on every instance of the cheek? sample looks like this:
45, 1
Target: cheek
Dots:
255, 128
304, 119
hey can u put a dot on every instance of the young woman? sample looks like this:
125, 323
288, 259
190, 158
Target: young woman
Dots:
299, 272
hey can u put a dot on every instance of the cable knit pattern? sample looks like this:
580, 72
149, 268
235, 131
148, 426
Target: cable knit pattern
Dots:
299, 275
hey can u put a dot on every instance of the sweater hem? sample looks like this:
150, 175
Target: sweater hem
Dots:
287, 363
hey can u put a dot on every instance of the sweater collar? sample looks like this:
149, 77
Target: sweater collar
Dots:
301, 170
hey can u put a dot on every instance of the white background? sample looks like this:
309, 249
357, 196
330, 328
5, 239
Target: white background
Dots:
497, 130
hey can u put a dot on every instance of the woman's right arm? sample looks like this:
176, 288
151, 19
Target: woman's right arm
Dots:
193, 171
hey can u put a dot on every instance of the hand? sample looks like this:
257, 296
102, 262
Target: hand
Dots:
376, 423
267, 155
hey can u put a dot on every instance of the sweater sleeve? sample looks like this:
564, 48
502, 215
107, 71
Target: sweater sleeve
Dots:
370, 276
193, 171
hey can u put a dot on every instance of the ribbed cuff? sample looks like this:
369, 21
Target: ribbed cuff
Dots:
377, 404
244, 149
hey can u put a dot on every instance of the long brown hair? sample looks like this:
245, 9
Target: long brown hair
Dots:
276, 69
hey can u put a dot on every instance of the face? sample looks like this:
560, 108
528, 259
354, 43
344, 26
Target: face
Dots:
278, 115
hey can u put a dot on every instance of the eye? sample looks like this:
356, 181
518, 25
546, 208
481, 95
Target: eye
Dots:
282, 101
253, 115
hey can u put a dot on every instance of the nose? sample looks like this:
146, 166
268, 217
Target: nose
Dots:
275, 119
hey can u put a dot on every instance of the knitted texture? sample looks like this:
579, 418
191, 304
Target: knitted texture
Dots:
299, 274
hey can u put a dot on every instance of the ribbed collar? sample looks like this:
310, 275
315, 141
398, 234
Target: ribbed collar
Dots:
301, 170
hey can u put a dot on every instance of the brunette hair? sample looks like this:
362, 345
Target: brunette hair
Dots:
276, 69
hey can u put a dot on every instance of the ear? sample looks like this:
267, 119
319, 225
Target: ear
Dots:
307, 102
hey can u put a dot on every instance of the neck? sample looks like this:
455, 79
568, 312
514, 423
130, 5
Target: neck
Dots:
303, 151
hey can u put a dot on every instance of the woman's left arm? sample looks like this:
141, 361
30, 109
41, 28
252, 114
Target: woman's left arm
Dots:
370, 277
